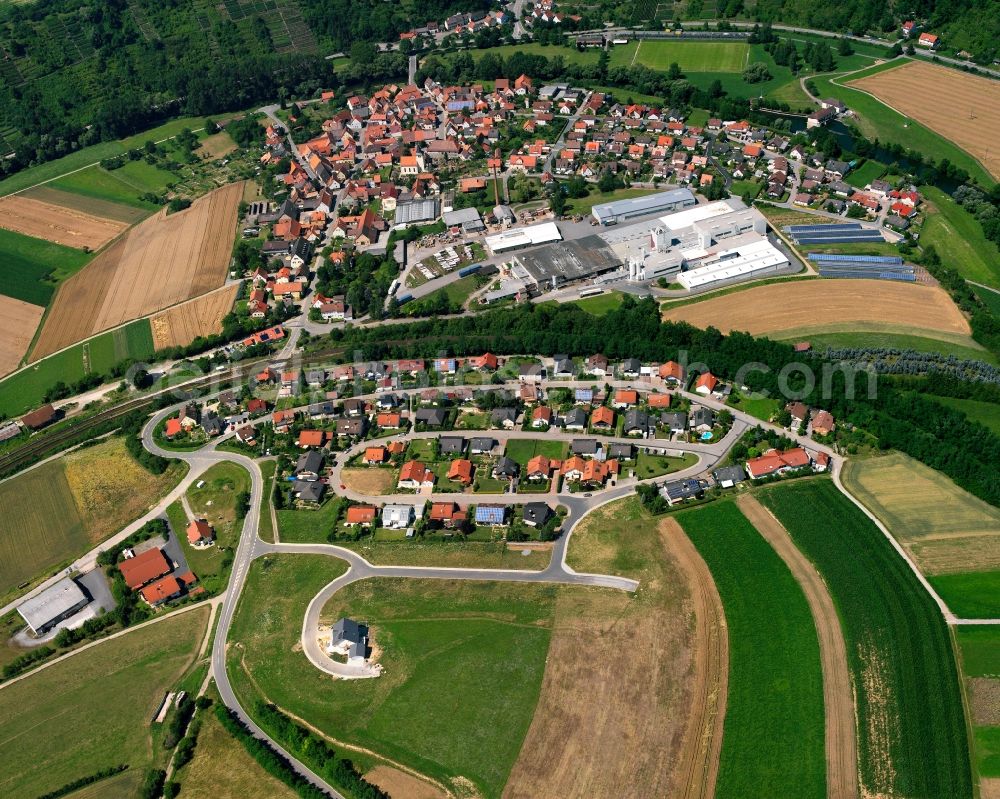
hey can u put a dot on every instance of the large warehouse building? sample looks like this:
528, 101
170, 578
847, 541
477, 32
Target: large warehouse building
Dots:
664, 202
517, 238
755, 257
58, 602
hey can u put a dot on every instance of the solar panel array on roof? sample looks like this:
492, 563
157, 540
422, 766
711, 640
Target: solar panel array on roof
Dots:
490, 514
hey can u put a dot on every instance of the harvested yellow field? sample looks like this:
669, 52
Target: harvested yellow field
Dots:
161, 262
20, 322
945, 529
111, 489
963, 108
817, 304
183, 323
67, 226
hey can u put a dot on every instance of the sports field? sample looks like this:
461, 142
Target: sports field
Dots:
20, 322
963, 108
953, 536
693, 56
461, 712
669, 693
63, 508
162, 261
911, 725
66, 226
857, 304
30, 268
59, 725
202, 316
774, 713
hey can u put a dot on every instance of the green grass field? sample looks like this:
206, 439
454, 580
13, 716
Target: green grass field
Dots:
464, 664
49, 738
693, 56
32, 268
523, 450
986, 413
761, 407
911, 727
959, 239
980, 650
583, 205
602, 303
870, 170
42, 526
774, 712
123, 185
900, 341
991, 299
877, 120
972, 595
53, 169
24, 390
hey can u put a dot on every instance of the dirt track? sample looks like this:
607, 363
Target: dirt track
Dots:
698, 761
838, 694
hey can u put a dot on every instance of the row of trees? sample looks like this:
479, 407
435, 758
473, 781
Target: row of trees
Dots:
898, 417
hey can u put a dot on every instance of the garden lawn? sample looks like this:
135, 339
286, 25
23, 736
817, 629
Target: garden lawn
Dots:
32, 268
762, 408
308, 526
959, 239
523, 450
464, 664
57, 723
870, 170
774, 712
911, 726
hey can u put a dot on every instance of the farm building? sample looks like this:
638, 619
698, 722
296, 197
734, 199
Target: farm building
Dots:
619, 211
144, 568
55, 604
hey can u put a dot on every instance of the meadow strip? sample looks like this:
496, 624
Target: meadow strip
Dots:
911, 727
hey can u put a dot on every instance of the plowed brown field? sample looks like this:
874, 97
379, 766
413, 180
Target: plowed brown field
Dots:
963, 108
202, 316
20, 321
66, 226
813, 304
162, 261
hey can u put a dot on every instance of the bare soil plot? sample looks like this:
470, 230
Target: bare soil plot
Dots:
216, 146
201, 316
163, 261
984, 701
603, 721
814, 303
398, 783
838, 694
963, 108
88, 205
372, 481
944, 528
67, 226
20, 322
989, 788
